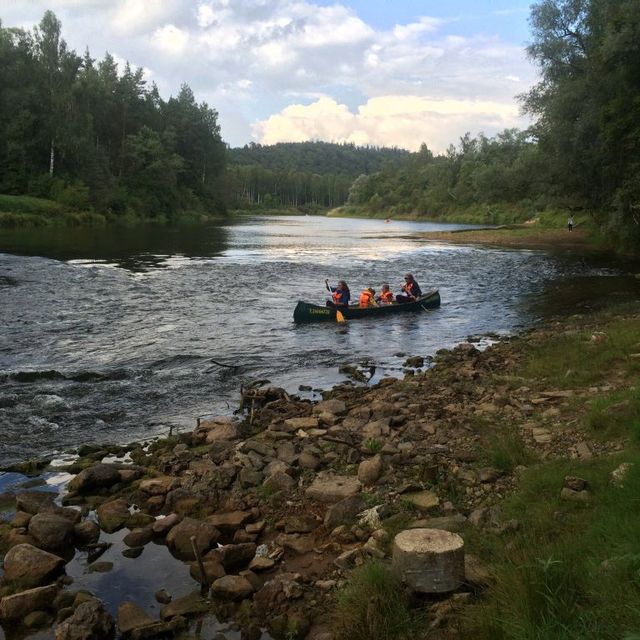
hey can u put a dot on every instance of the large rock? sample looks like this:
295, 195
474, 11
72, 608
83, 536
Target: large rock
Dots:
87, 532
279, 481
330, 489
370, 470
334, 406
162, 526
51, 531
113, 515
235, 555
293, 424
97, 476
29, 566
179, 538
131, 616
424, 500
33, 501
218, 431
344, 511
189, 605
20, 604
157, 486
232, 588
90, 621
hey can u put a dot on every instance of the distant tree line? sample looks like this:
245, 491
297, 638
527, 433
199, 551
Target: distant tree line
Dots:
301, 174
582, 153
86, 134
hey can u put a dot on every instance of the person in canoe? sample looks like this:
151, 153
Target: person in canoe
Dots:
340, 294
411, 289
367, 298
385, 297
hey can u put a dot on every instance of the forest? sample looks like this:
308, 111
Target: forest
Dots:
87, 136
582, 153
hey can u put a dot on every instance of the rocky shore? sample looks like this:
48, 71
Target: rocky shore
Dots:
274, 510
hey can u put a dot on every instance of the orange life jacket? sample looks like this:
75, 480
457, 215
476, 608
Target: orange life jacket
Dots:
386, 296
336, 296
366, 298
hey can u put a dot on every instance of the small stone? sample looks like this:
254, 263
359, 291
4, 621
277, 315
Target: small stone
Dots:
576, 484
261, 564
138, 537
331, 489
619, 473
132, 552
280, 482
162, 596
103, 566
344, 511
308, 460
157, 486
334, 406
575, 496
87, 532
541, 435
369, 471
422, 499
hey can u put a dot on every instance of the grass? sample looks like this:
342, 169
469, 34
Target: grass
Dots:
585, 360
506, 450
572, 571
373, 606
615, 415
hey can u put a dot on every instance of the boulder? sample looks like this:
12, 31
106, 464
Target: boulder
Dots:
138, 537
334, 406
331, 489
234, 555
280, 481
29, 566
308, 460
232, 588
86, 532
97, 476
370, 470
179, 538
51, 531
131, 616
162, 526
287, 453
300, 524
20, 604
424, 500
157, 486
293, 424
189, 605
213, 570
90, 621
113, 515
227, 431
33, 501
229, 521
344, 511
20, 520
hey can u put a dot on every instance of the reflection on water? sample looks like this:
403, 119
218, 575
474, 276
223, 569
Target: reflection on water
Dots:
114, 334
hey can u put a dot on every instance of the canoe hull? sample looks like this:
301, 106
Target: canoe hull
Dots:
306, 312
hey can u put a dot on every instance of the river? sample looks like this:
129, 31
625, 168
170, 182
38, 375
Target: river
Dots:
109, 334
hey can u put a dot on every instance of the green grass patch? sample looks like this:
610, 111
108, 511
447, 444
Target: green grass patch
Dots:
616, 415
27, 204
572, 571
506, 450
373, 606
576, 360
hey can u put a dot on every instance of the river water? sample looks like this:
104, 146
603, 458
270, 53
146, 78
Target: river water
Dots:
109, 334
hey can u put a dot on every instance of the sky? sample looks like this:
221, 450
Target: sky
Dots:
376, 72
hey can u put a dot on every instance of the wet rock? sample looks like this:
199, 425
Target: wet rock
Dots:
234, 555
113, 515
330, 489
170, 629
414, 362
51, 531
138, 537
90, 621
213, 570
33, 501
20, 604
17, 536
232, 588
230, 521
37, 619
132, 552
370, 470
162, 596
20, 520
188, 605
87, 532
97, 476
102, 566
344, 511
162, 526
29, 566
139, 520
279, 482
131, 616
179, 538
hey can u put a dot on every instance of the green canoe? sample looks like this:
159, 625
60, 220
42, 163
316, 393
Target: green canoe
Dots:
306, 312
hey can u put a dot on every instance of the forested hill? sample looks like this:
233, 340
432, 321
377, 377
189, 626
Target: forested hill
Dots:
318, 157
305, 176
96, 138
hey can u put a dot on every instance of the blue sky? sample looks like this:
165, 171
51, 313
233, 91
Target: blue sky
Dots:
389, 73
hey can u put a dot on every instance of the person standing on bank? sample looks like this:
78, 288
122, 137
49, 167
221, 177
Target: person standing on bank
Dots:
410, 288
570, 223
340, 295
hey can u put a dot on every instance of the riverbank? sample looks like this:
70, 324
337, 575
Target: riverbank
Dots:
528, 450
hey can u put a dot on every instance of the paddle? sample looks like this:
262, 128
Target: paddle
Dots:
339, 317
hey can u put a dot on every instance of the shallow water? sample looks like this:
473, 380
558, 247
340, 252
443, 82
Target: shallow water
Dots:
109, 334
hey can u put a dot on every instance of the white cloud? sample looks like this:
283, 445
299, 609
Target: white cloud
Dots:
393, 120
170, 39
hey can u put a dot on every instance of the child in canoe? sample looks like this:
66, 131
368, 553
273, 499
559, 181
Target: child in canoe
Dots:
385, 297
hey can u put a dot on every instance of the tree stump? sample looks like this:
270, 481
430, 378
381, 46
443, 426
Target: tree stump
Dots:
429, 560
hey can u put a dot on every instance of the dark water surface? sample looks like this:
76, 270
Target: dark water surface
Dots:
109, 334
